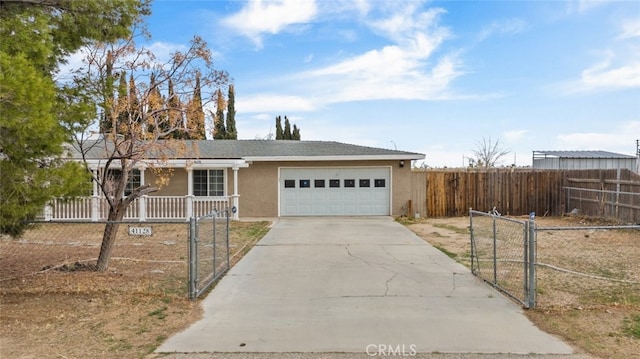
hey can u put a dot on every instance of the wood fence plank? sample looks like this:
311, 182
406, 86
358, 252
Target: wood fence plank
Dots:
442, 193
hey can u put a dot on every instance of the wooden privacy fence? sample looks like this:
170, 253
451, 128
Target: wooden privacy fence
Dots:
450, 193
603, 197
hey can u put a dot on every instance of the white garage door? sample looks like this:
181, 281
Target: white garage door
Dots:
335, 191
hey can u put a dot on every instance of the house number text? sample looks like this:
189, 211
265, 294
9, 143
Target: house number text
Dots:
140, 231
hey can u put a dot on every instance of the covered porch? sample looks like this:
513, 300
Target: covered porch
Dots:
186, 195
145, 208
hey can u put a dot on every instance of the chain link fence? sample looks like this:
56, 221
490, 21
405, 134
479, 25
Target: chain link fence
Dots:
149, 256
208, 251
581, 266
556, 266
500, 256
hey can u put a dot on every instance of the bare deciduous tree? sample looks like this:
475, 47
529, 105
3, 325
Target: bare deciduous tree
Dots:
488, 153
139, 126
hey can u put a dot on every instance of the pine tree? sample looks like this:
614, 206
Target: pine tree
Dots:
232, 132
111, 124
296, 133
287, 129
36, 37
287, 133
175, 113
133, 108
219, 131
30, 137
106, 122
155, 108
279, 131
195, 114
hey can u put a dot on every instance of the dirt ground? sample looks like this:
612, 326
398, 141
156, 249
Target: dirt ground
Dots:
70, 311
595, 316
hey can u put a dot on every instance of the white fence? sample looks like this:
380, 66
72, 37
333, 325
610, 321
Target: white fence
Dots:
141, 209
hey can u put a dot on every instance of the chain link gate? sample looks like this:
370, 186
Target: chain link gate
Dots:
503, 254
208, 250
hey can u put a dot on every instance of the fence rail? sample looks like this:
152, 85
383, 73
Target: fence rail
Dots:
150, 254
516, 192
605, 203
545, 266
208, 250
145, 208
502, 254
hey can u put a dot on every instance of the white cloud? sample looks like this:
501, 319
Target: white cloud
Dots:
582, 6
389, 73
402, 70
344, 8
607, 75
274, 102
630, 29
408, 22
620, 139
505, 27
74, 62
163, 51
261, 17
618, 67
307, 59
514, 135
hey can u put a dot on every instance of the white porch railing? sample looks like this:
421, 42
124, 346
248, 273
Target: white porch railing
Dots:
142, 209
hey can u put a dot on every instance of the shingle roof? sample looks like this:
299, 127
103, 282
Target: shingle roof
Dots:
267, 150
581, 154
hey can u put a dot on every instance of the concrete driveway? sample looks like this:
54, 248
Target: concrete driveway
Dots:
356, 285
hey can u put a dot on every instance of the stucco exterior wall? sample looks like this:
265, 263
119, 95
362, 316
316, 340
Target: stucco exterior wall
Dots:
258, 184
177, 184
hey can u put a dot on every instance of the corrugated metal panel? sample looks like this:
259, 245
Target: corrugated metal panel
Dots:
581, 154
584, 163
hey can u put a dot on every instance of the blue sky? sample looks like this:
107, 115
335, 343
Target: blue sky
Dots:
433, 77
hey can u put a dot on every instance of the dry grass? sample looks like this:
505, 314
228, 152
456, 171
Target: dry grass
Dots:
597, 311
52, 306
69, 312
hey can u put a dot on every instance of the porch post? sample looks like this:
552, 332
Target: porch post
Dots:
48, 210
235, 199
142, 201
189, 198
95, 210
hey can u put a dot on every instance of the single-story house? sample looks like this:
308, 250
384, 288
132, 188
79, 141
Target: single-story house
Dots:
583, 160
259, 178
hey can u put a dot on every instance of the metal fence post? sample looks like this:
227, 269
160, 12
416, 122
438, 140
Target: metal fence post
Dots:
532, 261
227, 239
473, 252
214, 218
525, 256
193, 255
495, 252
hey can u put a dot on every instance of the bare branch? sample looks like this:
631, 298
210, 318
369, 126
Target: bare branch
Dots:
488, 153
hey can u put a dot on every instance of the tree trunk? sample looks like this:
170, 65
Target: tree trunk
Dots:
109, 237
116, 213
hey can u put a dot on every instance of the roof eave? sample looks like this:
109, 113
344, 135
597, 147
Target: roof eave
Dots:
408, 156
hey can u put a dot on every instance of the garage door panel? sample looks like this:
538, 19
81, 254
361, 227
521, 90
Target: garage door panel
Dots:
322, 191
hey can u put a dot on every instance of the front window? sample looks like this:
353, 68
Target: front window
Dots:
208, 183
134, 180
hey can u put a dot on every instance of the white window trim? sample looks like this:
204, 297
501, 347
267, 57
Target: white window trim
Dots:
224, 178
